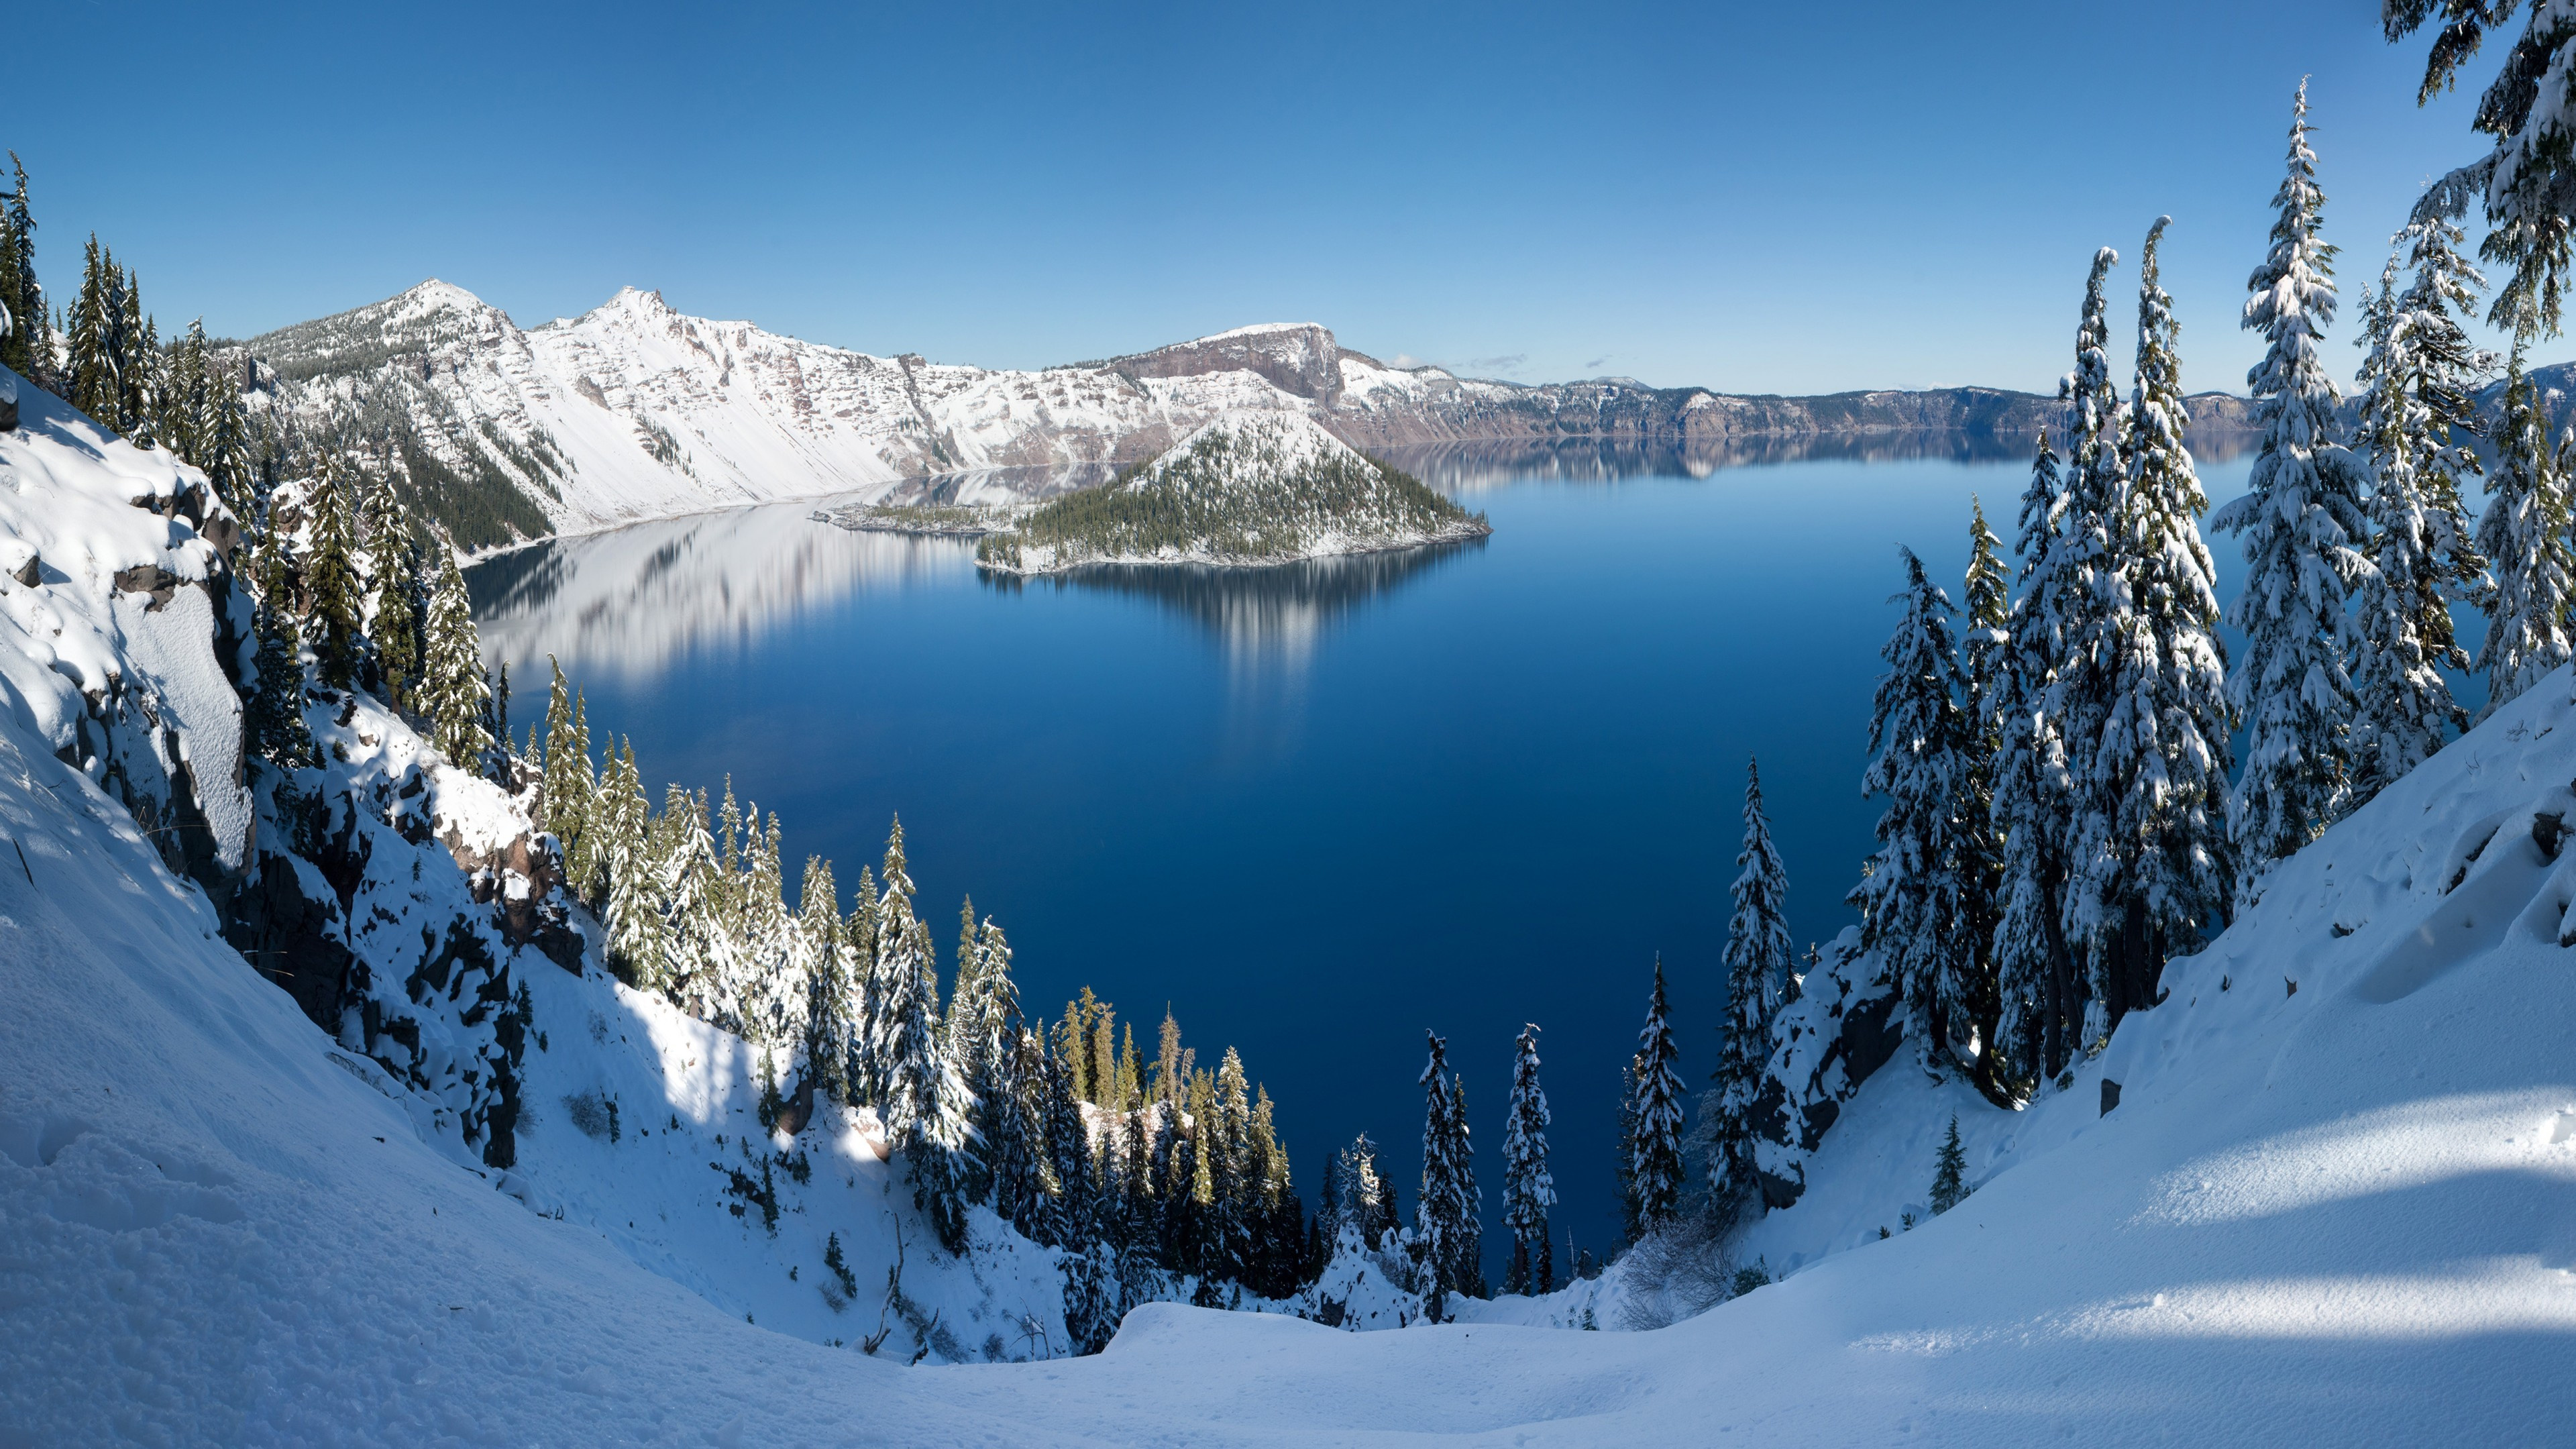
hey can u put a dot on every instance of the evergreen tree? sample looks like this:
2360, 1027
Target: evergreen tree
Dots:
1024, 1187
567, 782
273, 717
1757, 961
453, 692
2149, 855
921, 1100
1655, 1097
635, 922
185, 400
1445, 1226
90, 341
138, 357
2303, 526
28, 347
696, 940
1913, 899
1984, 642
2035, 971
1068, 1159
829, 1019
1949, 1182
1528, 1189
1230, 1172
331, 576
2523, 532
394, 584
227, 449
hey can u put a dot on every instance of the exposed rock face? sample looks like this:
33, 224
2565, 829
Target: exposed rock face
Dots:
1847, 1021
1300, 359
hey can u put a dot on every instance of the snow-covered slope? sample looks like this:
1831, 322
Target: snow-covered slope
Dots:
1248, 488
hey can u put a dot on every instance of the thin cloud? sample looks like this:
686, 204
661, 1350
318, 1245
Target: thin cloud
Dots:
1510, 362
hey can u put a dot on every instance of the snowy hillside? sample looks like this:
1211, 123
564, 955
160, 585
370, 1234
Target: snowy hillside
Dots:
1248, 488
637, 411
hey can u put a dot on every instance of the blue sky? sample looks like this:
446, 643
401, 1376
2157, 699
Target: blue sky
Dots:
1774, 198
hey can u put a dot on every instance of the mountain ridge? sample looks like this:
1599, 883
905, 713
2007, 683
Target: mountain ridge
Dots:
635, 410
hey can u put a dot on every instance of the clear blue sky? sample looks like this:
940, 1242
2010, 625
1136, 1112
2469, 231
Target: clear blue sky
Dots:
1759, 198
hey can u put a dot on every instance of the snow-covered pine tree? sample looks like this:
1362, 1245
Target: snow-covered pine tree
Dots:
2149, 856
1066, 1222
823, 1058
183, 400
1655, 1109
1231, 1187
454, 693
1984, 639
921, 1100
1439, 1214
2303, 525
228, 453
273, 718
636, 928
138, 367
1912, 900
394, 596
859, 1074
1024, 1187
773, 995
1529, 1190
89, 361
24, 347
1467, 1240
564, 796
1949, 1180
697, 941
2523, 532
331, 575
1757, 961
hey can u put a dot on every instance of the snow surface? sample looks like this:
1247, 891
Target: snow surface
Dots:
2335, 1214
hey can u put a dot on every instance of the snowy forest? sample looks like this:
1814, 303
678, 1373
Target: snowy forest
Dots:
2066, 807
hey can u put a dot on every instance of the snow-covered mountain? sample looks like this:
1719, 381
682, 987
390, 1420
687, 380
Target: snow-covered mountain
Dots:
1246, 488
637, 411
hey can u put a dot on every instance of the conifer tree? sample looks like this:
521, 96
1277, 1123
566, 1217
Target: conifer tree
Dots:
227, 448
1230, 1170
567, 780
138, 357
1444, 1217
920, 1099
1528, 1188
1913, 900
1949, 1183
332, 576
1068, 1158
697, 941
824, 1060
394, 585
453, 692
1655, 1098
2419, 419
1757, 962
1024, 1188
2035, 973
185, 401
273, 720
2303, 527
90, 340
1984, 642
2149, 855
635, 922
28, 348
2523, 532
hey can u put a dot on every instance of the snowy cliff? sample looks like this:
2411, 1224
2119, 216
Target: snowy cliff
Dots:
636, 411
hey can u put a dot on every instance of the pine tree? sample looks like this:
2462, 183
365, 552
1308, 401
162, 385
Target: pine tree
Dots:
1230, 1177
138, 357
273, 719
1655, 1096
567, 780
2149, 855
2303, 526
331, 576
184, 401
1949, 1182
1445, 1216
1068, 1159
453, 692
1913, 900
2035, 973
227, 448
90, 342
28, 348
1024, 1186
1528, 1189
1984, 644
921, 1101
2523, 532
696, 939
635, 923
394, 586
829, 1019
1757, 961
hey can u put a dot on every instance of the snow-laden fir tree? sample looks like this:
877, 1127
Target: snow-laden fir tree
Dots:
184, 396
2035, 973
636, 927
138, 366
824, 1057
1984, 636
567, 782
90, 360
1913, 899
2149, 855
920, 1098
1949, 1178
273, 718
331, 575
2303, 525
24, 347
1655, 1112
772, 993
394, 596
1528, 1188
1230, 1169
454, 694
1445, 1231
1025, 1190
1066, 1220
700, 943
1757, 961
2523, 532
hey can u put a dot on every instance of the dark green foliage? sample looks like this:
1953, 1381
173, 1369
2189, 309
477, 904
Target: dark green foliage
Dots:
1225, 498
840, 1267
28, 349
96, 316
273, 717
481, 510
331, 575
1750, 1277
1949, 1184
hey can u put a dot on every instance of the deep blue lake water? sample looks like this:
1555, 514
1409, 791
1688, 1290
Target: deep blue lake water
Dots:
1316, 810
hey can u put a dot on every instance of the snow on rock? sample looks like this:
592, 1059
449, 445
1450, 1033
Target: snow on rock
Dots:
1247, 488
